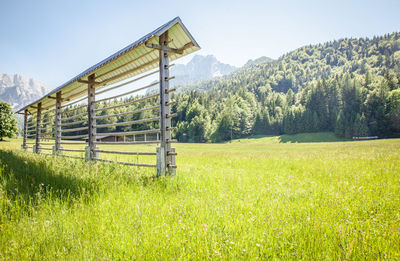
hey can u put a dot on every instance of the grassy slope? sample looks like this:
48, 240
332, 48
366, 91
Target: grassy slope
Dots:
245, 199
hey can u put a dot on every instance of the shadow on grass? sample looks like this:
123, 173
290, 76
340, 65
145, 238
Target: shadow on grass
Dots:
31, 179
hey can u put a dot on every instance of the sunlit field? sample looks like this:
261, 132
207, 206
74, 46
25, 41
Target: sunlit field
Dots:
282, 197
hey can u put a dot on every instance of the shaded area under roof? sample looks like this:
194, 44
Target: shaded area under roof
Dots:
132, 60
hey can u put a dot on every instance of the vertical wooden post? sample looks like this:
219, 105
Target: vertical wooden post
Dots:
164, 160
91, 120
57, 124
38, 126
25, 129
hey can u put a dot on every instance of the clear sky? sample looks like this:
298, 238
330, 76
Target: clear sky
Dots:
55, 40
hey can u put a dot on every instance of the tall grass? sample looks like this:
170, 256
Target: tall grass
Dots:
248, 199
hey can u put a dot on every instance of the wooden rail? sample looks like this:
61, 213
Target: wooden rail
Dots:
74, 117
127, 152
128, 103
128, 112
127, 123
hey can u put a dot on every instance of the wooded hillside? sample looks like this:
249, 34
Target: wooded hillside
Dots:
349, 86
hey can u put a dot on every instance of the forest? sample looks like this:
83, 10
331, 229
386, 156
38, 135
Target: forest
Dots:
350, 87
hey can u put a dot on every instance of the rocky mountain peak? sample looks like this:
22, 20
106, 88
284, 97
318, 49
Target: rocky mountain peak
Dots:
19, 90
199, 68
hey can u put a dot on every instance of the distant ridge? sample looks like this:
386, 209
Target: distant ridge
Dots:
19, 90
199, 68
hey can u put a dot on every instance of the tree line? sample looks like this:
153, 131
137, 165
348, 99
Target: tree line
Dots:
350, 87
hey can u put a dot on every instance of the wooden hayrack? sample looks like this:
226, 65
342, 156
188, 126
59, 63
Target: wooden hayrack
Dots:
58, 116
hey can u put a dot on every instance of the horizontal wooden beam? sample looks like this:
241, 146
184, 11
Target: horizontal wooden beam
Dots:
126, 123
127, 142
165, 48
87, 82
99, 134
126, 152
128, 112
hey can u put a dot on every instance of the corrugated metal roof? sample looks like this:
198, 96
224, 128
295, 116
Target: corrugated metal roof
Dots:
132, 60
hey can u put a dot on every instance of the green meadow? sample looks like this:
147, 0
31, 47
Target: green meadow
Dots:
289, 197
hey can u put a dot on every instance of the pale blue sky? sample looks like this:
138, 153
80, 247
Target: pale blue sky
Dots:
55, 40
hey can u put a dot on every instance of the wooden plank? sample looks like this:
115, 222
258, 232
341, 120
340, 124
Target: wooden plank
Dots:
73, 150
74, 129
141, 67
127, 142
128, 103
126, 93
127, 122
71, 143
127, 152
45, 122
74, 109
87, 82
128, 133
172, 115
128, 112
125, 64
163, 47
76, 101
125, 83
73, 123
74, 137
44, 148
74, 117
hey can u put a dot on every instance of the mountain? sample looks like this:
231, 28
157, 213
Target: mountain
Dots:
199, 68
306, 64
19, 90
262, 59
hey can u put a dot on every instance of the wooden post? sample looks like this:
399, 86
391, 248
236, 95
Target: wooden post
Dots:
57, 124
38, 126
91, 119
164, 160
25, 129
